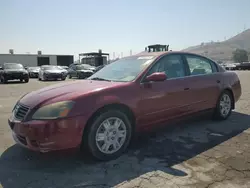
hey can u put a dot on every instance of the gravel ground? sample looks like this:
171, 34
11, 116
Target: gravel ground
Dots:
197, 153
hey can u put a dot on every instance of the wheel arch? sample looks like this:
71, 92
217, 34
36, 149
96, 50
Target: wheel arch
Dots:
115, 106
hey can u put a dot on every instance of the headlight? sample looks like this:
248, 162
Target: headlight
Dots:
54, 111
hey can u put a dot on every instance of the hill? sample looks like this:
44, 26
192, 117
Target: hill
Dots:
223, 50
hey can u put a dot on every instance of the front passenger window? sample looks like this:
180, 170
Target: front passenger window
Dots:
172, 65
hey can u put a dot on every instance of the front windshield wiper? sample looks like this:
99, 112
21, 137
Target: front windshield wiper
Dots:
100, 79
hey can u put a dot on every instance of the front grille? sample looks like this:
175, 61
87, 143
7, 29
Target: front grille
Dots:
20, 111
54, 75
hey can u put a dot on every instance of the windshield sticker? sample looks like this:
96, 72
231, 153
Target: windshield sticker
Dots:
145, 57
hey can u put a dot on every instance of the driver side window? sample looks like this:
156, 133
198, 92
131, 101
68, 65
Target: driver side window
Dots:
172, 65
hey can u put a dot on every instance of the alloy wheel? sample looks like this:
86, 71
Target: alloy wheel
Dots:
111, 135
225, 104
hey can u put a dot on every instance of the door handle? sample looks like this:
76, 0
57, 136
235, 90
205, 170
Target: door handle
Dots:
187, 88
218, 81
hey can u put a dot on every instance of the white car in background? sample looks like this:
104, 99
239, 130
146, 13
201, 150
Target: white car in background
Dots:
51, 72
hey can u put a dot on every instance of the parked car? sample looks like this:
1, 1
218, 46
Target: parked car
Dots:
243, 66
64, 67
80, 71
132, 94
99, 68
230, 66
33, 72
13, 71
50, 72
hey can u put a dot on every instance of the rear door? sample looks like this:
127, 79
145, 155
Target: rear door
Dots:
204, 82
166, 99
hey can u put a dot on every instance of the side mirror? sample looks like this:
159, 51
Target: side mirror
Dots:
156, 77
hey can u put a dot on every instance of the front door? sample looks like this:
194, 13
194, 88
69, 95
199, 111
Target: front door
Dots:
168, 99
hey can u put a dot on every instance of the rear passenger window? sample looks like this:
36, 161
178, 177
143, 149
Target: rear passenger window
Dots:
199, 66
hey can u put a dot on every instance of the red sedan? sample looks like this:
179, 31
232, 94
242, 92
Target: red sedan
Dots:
128, 95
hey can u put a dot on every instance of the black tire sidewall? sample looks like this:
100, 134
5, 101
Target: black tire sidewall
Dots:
91, 143
218, 111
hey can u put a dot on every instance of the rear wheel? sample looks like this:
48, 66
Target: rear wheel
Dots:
26, 80
224, 106
109, 135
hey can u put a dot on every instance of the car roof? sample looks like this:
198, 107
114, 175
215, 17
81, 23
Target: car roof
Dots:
48, 66
158, 54
12, 63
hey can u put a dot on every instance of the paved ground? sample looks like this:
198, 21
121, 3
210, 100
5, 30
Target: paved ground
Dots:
201, 153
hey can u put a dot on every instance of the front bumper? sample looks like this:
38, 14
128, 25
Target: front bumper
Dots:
54, 76
16, 76
49, 135
33, 74
85, 74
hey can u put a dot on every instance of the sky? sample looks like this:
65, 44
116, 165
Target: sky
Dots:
78, 26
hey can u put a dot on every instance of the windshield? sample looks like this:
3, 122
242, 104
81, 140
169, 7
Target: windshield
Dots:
52, 68
83, 66
123, 70
13, 66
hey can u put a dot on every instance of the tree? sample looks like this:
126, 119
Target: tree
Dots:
240, 55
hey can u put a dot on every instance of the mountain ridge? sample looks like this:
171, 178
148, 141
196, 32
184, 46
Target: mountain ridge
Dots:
223, 50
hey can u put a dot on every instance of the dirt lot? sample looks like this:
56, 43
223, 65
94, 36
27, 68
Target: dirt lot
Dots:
201, 154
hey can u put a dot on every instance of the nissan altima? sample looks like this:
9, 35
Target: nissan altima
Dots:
129, 95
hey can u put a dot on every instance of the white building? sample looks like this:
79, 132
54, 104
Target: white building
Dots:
37, 59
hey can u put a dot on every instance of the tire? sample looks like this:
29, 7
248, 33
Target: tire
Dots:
70, 76
78, 76
4, 80
63, 78
220, 112
26, 80
39, 79
21, 80
94, 146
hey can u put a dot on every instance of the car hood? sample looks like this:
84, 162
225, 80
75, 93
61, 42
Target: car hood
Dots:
85, 70
54, 71
34, 71
68, 91
14, 70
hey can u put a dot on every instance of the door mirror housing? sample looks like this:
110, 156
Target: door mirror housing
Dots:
156, 77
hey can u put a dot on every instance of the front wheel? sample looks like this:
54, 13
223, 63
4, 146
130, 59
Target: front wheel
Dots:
109, 135
26, 80
224, 106
4, 80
